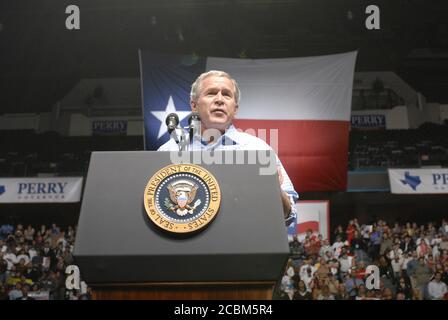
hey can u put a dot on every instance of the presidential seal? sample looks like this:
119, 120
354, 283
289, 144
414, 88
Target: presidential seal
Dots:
182, 198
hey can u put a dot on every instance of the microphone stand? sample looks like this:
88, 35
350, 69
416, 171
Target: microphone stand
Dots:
194, 127
183, 142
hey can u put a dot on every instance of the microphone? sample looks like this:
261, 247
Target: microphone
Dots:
172, 120
194, 123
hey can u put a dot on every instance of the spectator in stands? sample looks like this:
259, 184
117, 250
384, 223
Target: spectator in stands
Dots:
358, 247
387, 294
361, 293
16, 292
386, 271
423, 248
420, 275
404, 288
435, 244
415, 230
3, 293
37, 293
19, 230
5, 230
339, 232
287, 283
430, 262
335, 267
444, 256
417, 294
308, 246
333, 284
23, 255
326, 247
397, 265
49, 256
29, 234
401, 296
34, 273
396, 230
350, 231
294, 248
342, 293
55, 230
383, 227
375, 243
323, 270
22, 267
386, 244
352, 284
307, 276
365, 232
409, 230
325, 294
444, 228
302, 292
3, 269
408, 245
412, 263
436, 288
10, 258
395, 252
43, 229
337, 247
371, 295
71, 233
39, 240
316, 287
345, 262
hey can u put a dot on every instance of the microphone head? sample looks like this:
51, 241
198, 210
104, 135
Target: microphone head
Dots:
172, 120
194, 116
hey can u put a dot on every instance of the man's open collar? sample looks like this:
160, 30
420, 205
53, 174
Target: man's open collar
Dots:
227, 139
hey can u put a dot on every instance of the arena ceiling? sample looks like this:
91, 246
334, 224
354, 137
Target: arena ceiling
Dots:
40, 60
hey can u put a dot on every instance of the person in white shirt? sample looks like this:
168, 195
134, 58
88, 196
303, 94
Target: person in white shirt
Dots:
337, 246
215, 97
23, 255
396, 251
345, 261
3, 246
308, 277
325, 248
11, 259
436, 288
303, 269
397, 265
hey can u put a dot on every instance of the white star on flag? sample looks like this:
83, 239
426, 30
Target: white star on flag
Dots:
161, 116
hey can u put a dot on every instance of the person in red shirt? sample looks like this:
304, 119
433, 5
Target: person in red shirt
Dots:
350, 231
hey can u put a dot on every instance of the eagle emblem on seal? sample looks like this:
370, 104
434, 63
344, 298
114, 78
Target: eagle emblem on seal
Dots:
182, 194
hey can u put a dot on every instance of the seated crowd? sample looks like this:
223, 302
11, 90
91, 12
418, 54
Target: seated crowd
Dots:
412, 261
33, 263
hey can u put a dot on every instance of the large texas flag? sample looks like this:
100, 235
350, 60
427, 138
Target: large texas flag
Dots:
307, 100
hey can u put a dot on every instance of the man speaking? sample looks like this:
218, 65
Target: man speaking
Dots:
215, 97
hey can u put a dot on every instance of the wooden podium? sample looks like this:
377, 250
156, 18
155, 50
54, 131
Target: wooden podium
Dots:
185, 291
122, 255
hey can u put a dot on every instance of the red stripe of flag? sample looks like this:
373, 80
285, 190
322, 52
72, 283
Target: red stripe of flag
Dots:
313, 152
304, 226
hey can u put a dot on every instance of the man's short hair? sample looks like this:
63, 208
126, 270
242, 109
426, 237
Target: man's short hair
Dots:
195, 87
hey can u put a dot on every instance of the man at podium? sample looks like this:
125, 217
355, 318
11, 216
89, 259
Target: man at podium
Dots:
215, 97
